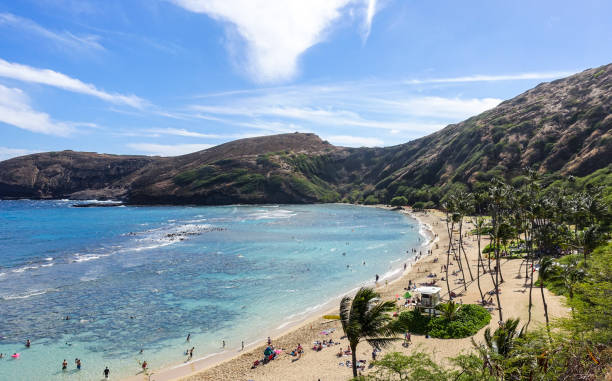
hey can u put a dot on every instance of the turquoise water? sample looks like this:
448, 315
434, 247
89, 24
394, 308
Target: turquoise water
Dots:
133, 278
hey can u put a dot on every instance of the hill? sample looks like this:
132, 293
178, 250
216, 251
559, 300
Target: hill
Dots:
560, 128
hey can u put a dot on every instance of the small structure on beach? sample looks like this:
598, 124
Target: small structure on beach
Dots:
430, 298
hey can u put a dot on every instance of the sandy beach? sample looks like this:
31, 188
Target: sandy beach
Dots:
325, 365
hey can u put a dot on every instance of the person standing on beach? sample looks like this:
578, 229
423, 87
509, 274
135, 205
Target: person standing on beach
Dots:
106, 372
269, 340
64, 365
223, 343
242, 346
28, 343
377, 278
78, 363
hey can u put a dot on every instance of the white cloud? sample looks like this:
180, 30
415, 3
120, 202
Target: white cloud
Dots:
15, 110
7, 153
52, 78
167, 149
64, 39
491, 78
278, 32
354, 141
455, 108
370, 12
182, 132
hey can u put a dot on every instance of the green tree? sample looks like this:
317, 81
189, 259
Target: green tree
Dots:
366, 317
449, 310
417, 366
399, 201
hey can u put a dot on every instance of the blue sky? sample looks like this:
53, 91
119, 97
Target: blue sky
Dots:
166, 77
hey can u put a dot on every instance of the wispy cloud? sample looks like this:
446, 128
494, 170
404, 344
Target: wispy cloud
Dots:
64, 39
369, 16
7, 153
15, 109
167, 149
52, 78
276, 33
342, 107
492, 78
455, 108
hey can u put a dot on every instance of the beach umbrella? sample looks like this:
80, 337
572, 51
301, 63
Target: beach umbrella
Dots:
407, 295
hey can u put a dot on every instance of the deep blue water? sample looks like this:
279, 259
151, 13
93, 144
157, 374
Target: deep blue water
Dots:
133, 278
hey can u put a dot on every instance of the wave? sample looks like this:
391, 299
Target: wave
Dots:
87, 257
263, 214
24, 268
28, 294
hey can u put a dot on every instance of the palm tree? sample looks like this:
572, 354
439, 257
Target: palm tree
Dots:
498, 346
365, 317
449, 310
502, 340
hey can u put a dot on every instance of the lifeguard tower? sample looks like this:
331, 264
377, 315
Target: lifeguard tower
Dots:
430, 298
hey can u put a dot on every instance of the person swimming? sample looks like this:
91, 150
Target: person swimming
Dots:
27, 344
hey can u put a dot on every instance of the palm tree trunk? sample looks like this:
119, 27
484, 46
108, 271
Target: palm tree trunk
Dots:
545, 306
498, 263
530, 268
497, 272
467, 263
459, 260
450, 240
354, 357
478, 266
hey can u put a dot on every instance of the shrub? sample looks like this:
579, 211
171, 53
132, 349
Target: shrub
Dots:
371, 200
399, 201
469, 319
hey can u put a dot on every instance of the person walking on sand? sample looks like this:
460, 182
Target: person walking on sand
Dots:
106, 372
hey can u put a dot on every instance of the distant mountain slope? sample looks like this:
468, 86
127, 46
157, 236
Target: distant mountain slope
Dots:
560, 128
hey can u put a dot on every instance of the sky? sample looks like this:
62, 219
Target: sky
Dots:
169, 77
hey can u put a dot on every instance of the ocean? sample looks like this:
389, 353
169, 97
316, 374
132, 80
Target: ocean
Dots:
102, 284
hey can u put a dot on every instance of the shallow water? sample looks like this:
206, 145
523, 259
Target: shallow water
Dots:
133, 278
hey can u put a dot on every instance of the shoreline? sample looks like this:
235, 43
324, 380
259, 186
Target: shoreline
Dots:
314, 315
326, 365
